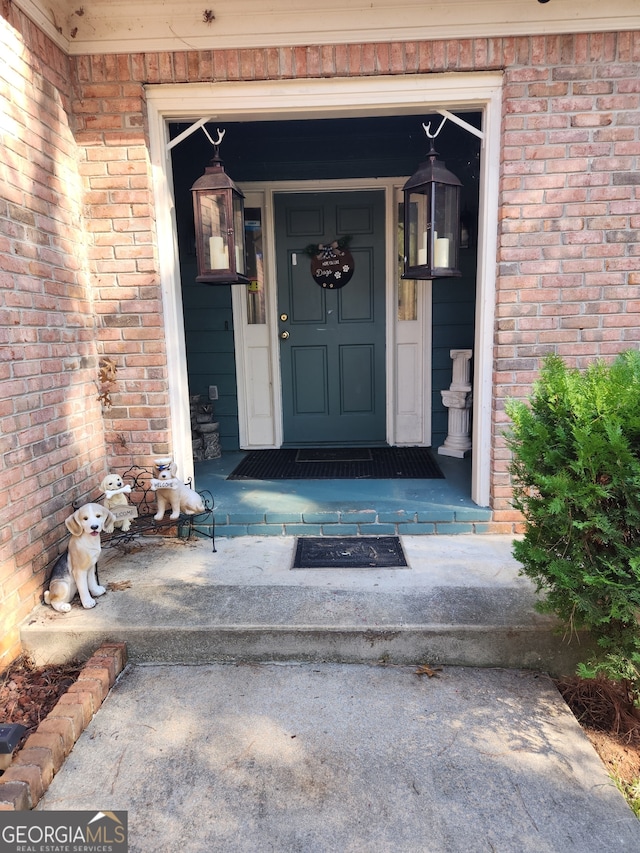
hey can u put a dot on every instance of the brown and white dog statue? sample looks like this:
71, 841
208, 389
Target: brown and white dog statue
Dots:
170, 491
75, 570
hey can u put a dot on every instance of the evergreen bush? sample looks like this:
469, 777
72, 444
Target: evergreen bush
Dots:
576, 478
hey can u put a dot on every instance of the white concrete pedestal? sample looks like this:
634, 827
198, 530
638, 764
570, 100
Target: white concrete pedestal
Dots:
458, 400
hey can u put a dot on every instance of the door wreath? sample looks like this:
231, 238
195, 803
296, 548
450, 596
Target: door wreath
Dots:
332, 263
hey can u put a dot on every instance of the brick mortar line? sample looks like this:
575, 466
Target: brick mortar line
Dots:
33, 767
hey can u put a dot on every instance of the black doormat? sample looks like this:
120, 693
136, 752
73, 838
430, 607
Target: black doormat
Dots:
381, 463
334, 454
350, 552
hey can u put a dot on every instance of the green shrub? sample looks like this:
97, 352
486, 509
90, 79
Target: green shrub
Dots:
576, 478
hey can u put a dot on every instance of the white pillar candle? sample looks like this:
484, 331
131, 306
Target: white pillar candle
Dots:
441, 253
218, 253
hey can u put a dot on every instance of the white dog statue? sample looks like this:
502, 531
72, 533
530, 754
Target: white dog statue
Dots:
170, 491
75, 570
115, 500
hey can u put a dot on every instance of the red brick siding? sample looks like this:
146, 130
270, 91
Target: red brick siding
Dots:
51, 433
108, 113
123, 266
569, 241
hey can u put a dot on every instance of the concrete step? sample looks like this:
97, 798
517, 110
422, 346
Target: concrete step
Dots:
362, 521
460, 602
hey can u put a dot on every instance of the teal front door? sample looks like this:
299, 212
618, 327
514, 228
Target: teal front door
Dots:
332, 336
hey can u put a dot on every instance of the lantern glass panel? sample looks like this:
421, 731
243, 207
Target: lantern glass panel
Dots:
445, 227
215, 230
238, 230
416, 227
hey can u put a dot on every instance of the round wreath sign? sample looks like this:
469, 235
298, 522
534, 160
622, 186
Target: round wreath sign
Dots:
331, 264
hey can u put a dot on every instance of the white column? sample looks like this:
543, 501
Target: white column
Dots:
458, 400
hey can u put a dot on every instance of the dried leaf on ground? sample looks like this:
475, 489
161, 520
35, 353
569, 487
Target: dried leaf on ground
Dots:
431, 671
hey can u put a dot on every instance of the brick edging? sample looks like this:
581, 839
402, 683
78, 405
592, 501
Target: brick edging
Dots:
33, 767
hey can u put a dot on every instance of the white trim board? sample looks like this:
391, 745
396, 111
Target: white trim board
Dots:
118, 26
331, 98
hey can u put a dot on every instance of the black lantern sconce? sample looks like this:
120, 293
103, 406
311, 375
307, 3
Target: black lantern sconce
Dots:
218, 208
431, 219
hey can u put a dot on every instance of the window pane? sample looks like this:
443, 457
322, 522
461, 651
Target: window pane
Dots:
256, 313
407, 290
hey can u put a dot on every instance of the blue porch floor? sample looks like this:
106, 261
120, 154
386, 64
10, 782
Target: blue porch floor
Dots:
341, 507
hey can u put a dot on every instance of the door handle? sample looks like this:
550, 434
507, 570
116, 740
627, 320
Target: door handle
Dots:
284, 335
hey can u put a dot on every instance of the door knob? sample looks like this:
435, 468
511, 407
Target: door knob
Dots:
284, 335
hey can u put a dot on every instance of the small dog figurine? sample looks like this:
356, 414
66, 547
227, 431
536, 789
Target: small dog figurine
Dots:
75, 570
115, 495
170, 491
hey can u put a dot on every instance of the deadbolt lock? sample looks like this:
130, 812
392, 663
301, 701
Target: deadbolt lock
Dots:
284, 317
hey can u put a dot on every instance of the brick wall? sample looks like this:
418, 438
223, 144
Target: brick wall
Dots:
569, 268
108, 116
568, 275
569, 257
51, 437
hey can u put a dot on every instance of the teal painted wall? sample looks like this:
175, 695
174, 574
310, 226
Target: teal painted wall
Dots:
453, 328
210, 349
332, 148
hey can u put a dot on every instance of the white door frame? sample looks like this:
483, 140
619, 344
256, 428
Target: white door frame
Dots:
329, 98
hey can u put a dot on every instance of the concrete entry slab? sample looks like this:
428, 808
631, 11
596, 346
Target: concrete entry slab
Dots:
460, 602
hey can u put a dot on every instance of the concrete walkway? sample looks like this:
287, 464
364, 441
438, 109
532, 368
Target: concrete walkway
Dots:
271, 709
330, 758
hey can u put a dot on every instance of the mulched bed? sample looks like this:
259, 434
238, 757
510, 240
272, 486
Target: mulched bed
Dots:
28, 693
610, 721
